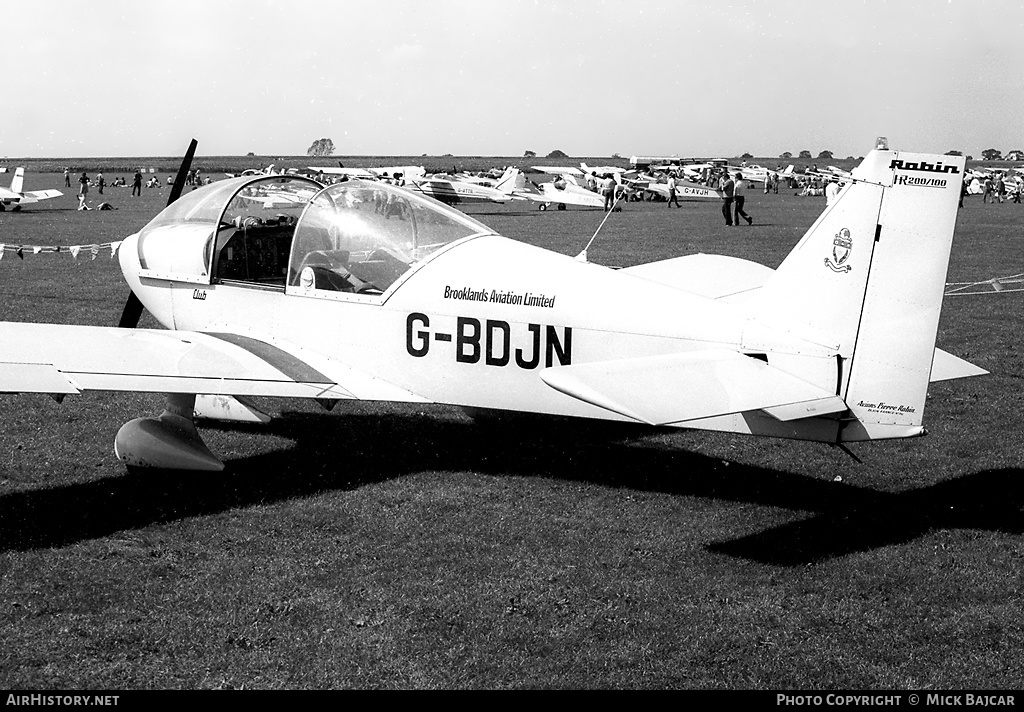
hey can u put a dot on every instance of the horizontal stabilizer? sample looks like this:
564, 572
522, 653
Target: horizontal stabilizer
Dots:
712, 276
946, 367
807, 409
660, 390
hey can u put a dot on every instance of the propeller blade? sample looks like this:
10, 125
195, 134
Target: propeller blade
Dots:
179, 180
132, 312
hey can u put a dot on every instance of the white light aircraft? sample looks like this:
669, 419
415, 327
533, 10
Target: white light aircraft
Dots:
606, 170
407, 172
342, 171
15, 196
558, 170
450, 191
830, 173
268, 171
344, 296
685, 190
563, 191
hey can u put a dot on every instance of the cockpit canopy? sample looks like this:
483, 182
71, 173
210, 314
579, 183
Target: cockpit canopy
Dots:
287, 231
361, 236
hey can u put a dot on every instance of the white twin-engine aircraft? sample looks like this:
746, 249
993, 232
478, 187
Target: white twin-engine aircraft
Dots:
15, 196
363, 290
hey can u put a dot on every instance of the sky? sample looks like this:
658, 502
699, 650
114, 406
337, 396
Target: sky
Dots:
482, 78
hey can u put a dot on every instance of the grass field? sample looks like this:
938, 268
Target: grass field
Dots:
384, 546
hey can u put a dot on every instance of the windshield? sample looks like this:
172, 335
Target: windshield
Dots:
361, 236
180, 240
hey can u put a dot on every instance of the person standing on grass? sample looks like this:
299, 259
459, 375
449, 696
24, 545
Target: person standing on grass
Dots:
608, 191
67, 177
137, 184
728, 189
672, 197
831, 191
83, 192
738, 197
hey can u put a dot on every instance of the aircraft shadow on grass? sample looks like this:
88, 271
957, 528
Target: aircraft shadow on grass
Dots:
344, 453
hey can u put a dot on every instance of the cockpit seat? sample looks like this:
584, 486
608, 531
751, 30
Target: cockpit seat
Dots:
329, 279
379, 267
329, 269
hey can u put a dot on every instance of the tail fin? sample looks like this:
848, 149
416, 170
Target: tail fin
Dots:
869, 277
788, 172
507, 183
18, 183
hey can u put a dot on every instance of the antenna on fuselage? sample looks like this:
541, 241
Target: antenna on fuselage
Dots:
582, 257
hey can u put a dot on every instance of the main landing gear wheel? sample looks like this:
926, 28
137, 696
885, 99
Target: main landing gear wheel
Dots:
542, 206
561, 206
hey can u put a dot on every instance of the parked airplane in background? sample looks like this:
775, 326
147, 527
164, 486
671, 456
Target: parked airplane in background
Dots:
831, 173
15, 196
605, 170
758, 174
407, 172
564, 190
558, 170
340, 170
451, 191
685, 189
368, 291
269, 170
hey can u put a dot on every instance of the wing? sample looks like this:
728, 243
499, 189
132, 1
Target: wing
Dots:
350, 172
558, 170
36, 358
36, 195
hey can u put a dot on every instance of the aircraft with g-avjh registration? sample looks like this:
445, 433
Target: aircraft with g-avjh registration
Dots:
364, 290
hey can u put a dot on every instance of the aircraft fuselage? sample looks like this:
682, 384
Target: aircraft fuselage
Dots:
473, 326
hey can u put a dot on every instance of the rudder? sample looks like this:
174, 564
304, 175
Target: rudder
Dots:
895, 347
868, 279
18, 182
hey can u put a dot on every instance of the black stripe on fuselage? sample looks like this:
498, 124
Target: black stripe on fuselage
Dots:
296, 369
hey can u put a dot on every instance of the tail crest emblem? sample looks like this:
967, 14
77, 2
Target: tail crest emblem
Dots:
842, 245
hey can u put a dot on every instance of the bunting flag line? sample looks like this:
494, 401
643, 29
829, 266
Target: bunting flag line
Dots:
93, 249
